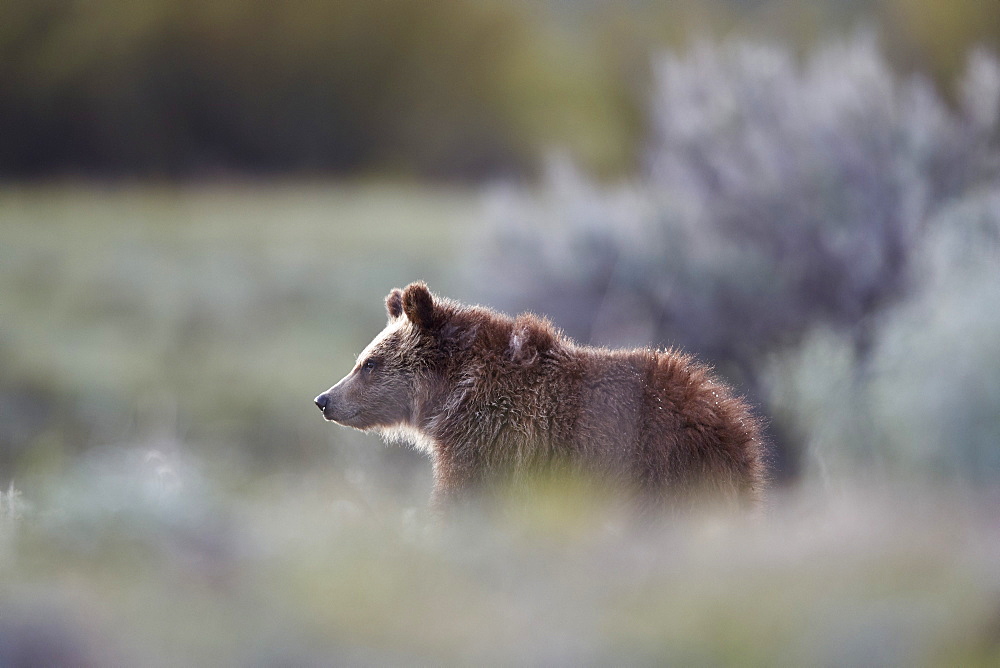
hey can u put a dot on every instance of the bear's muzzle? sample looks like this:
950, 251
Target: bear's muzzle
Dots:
323, 403
333, 410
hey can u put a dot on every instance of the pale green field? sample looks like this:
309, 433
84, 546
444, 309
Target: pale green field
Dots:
177, 500
212, 314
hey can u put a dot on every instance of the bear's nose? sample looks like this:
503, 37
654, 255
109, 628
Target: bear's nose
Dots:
322, 401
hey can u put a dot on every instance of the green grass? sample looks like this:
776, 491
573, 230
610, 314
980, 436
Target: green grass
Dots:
213, 312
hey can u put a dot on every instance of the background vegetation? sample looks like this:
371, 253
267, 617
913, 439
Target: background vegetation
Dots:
778, 197
456, 88
818, 214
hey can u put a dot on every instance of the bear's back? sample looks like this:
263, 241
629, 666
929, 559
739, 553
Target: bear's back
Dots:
663, 424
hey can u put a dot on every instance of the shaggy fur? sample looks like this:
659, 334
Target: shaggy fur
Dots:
495, 400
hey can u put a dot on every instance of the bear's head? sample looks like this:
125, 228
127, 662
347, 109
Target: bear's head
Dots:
383, 388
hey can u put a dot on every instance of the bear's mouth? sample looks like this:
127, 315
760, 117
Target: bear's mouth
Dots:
342, 419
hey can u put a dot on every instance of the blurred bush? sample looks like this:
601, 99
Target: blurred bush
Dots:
435, 88
926, 401
778, 196
169, 88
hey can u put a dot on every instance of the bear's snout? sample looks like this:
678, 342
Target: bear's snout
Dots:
333, 407
325, 405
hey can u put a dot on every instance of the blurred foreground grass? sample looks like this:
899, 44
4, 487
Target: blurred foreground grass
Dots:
120, 570
178, 501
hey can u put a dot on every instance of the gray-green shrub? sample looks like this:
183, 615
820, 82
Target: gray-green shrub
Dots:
778, 195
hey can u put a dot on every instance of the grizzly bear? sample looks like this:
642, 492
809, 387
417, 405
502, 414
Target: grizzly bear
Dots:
494, 399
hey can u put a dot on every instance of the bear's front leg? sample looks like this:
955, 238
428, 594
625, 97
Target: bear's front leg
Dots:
454, 481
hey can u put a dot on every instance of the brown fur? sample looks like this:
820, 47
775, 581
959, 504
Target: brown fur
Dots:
494, 400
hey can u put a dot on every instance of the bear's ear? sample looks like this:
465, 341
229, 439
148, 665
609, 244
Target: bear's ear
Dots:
530, 337
394, 303
418, 304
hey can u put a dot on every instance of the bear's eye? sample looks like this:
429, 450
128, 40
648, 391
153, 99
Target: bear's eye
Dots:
369, 365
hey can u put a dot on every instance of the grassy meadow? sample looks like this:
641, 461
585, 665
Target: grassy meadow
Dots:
172, 497
204, 314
